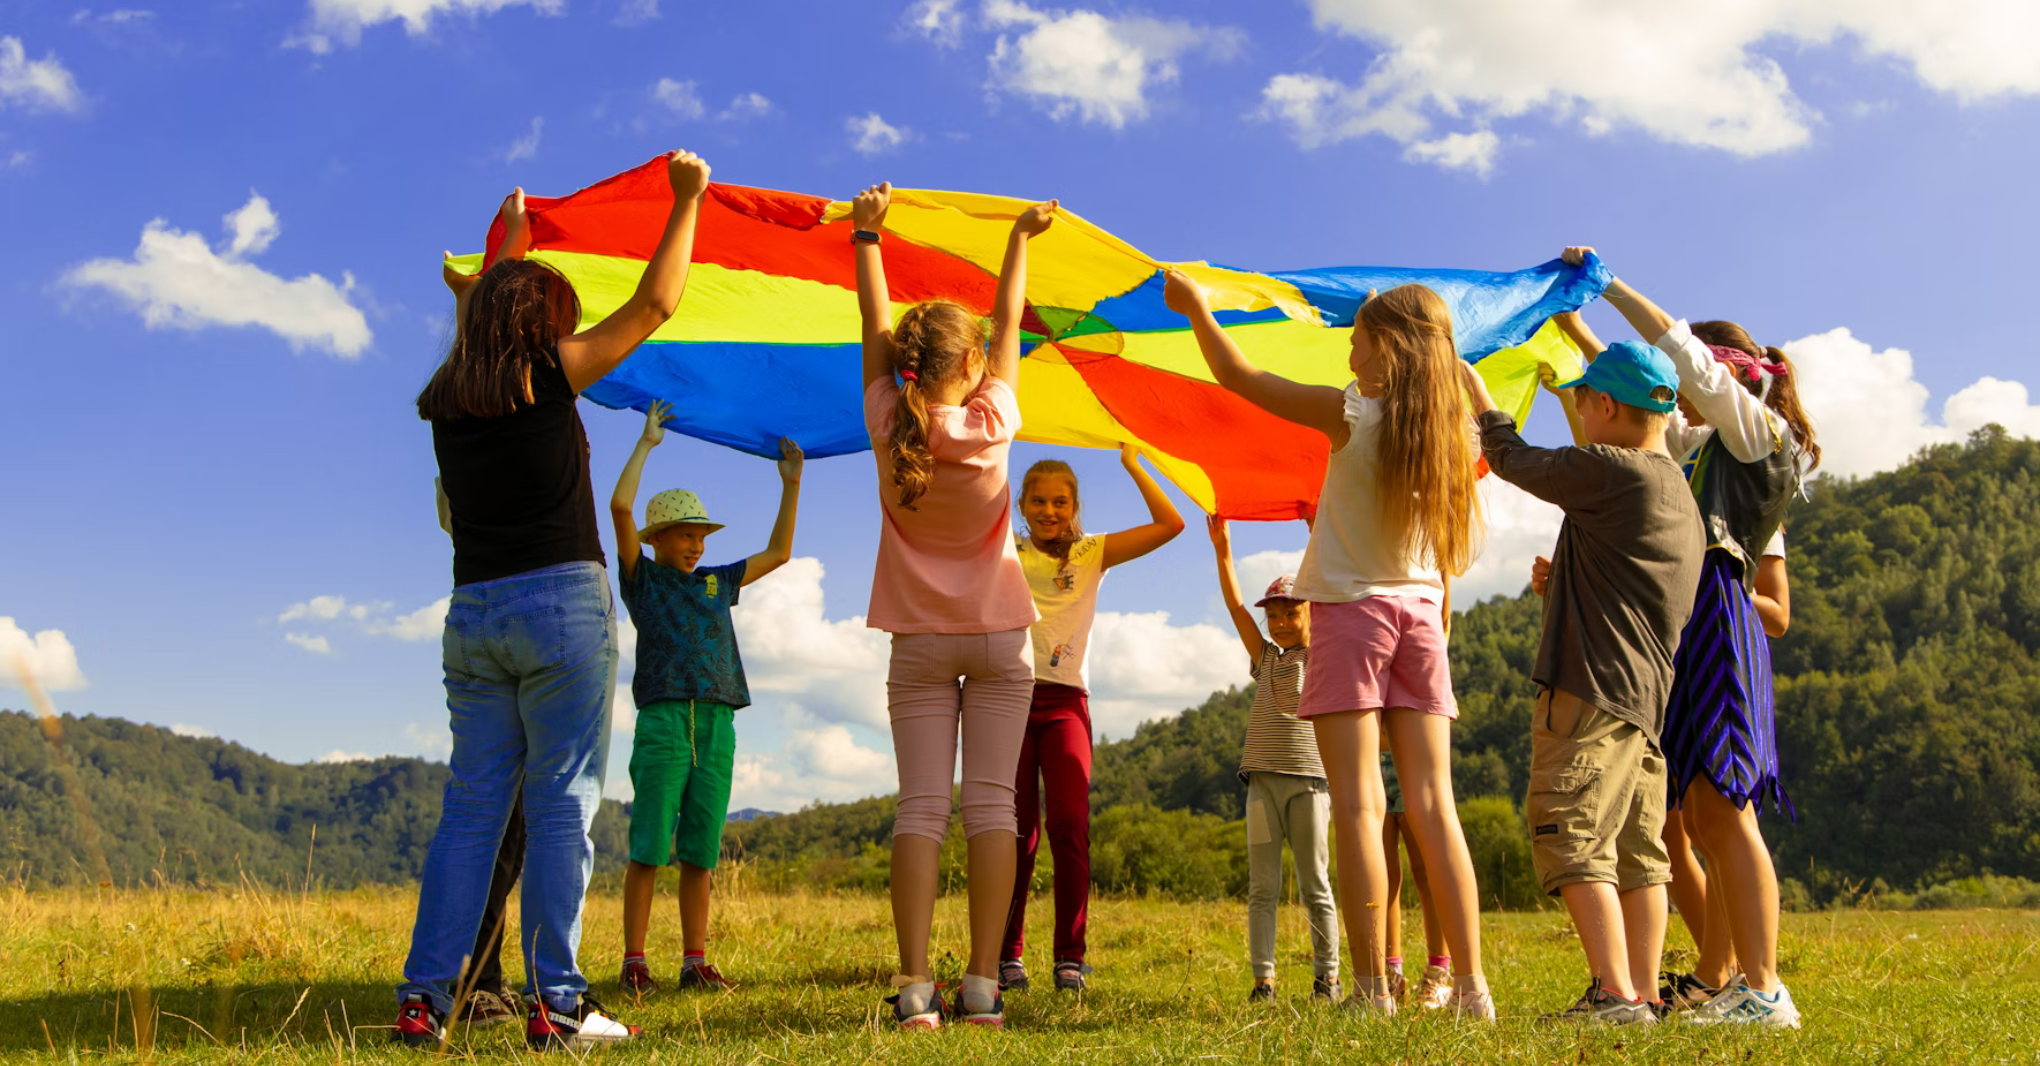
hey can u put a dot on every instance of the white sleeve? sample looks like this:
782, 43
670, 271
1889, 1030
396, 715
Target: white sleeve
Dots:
1746, 427
1777, 546
1681, 437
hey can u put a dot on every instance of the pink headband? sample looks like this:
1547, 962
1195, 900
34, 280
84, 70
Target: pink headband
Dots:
1747, 365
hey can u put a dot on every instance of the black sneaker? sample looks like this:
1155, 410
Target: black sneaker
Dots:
1325, 988
1262, 993
703, 976
929, 1017
1602, 1007
1682, 991
419, 1024
485, 1008
1069, 975
588, 1023
1013, 976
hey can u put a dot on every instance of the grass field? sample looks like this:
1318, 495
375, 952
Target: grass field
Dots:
252, 976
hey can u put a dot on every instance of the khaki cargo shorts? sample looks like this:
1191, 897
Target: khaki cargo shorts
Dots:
1597, 798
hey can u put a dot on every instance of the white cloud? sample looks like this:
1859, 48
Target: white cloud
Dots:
36, 84
425, 623
176, 280
47, 656
317, 645
940, 21
1088, 65
870, 134
1693, 74
1520, 527
16, 159
746, 106
813, 763
525, 147
186, 729
1143, 668
682, 98
338, 23
637, 12
1474, 151
834, 669
325, 608
1870, 413
338, 755
430, 742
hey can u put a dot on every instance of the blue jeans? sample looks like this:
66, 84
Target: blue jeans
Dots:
530, 671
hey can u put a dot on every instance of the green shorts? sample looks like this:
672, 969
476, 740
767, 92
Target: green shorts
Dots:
680, 762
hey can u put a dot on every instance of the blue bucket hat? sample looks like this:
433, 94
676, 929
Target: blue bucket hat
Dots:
1629, 371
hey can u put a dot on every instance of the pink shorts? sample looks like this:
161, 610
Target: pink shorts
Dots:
1376, 652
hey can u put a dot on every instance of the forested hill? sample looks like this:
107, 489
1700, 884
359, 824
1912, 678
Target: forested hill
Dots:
198, 809
1908, 703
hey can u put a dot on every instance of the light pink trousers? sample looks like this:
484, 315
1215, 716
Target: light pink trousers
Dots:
982, 682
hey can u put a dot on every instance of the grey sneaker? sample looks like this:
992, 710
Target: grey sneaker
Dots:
1325, 987
1013, 975
1743, 1005
1602, 1007
1069, 975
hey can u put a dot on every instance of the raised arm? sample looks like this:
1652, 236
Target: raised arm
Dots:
1567, 402
1011, 300
623, 502
1140, 540
874, 300
1229, 589
1319, 407
594, 352
1574, 325
780, 548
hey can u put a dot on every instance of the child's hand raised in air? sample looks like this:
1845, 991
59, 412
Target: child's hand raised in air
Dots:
655, 423
867, 209
790, 460
688, 174
1540, 575
1576, 255
1221, 533
1547, 376
1035, 220
516, 226
1181, 294
460, 283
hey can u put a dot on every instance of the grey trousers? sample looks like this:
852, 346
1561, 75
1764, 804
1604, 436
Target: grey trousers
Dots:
1297, 809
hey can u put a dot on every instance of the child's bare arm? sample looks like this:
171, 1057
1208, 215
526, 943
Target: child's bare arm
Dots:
780, 548
444, 505
623, 502
1773, 595
1318, 407
595, 351
1011, 299
874, 300
1548, 377
1133, 543
1229, 589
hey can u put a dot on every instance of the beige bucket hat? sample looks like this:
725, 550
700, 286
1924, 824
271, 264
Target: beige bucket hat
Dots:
671, 508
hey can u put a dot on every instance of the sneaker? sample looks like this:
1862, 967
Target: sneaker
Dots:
1069, 975
911, 1016
1262, 992
1477, 1006
485, 1008
1683, 991
1325, 987
1434, 989
1383, 1006
1013, 975
1743, 1005
418, 1023
704, 976
637, 979
1600, 1006
587, 1023
993, 1017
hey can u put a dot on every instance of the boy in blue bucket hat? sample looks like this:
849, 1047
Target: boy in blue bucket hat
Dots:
1620, 588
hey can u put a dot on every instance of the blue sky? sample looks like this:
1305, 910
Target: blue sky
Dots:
219, 497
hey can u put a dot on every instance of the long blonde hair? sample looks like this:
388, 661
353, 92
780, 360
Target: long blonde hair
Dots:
1428, 502
934, 343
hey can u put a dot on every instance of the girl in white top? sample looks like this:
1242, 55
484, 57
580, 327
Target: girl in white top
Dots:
1397, 513
1064, 569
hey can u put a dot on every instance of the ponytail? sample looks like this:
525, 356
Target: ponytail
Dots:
933, 343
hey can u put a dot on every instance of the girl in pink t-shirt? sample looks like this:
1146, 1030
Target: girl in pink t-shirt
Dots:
942, 413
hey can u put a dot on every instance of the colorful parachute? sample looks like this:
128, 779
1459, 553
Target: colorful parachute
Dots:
766, 341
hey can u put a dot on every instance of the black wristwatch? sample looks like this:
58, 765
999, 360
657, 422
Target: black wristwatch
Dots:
864, 236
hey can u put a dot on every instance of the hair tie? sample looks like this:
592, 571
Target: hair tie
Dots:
909, 375
1746, 365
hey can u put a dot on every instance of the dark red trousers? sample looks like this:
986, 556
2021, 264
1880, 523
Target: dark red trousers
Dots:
1055, 764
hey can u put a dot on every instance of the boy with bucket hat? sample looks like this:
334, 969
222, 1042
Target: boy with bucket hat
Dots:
688, 685
1287, 796
1621, 586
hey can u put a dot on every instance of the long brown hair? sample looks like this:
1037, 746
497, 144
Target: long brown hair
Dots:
512, 319
1073, 531
934, 343
1783, 398
1426, 458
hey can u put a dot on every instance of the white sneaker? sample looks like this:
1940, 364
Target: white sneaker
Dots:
1478, 1006
1434, 989
1381, 1006
1743, 1005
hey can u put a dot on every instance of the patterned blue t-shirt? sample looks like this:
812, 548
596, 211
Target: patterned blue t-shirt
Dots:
686, 644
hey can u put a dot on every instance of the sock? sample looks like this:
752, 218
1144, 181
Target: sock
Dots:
1395, 965
915, 995
692, 959
1443, 962
979, 993
633, 956
1469, 984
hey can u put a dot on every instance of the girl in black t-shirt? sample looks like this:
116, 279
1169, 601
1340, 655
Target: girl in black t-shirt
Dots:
530, 648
